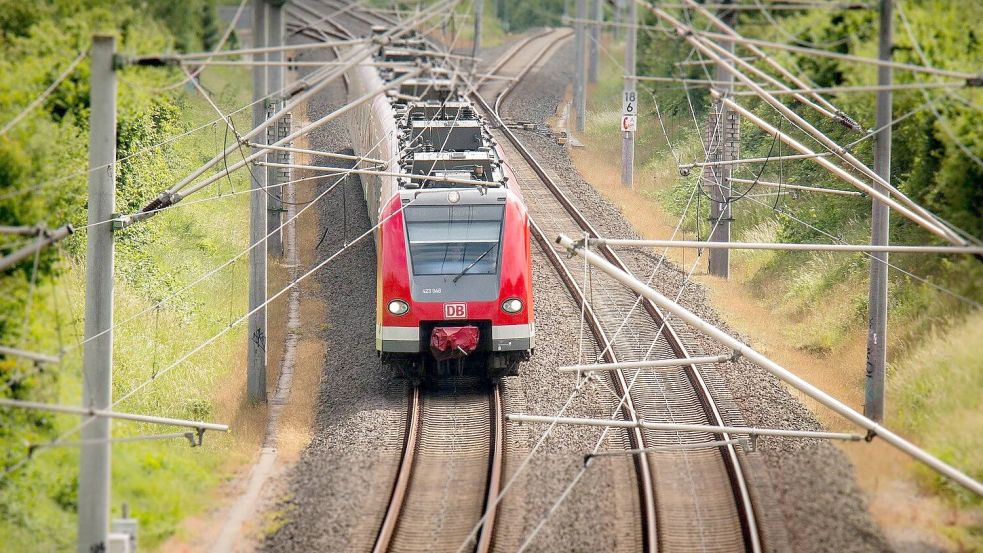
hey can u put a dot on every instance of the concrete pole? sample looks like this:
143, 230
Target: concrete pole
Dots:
721, 138
256, 340
628, 137
879, 230
95, 459
274, 84
580, 77
479, 12
619, 18
596, 10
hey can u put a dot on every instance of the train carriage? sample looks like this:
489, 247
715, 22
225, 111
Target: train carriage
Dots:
454, 282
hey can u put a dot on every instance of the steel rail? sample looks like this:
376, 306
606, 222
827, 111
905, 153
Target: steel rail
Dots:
645, 479
496, 463
414, 427
732, 462
362, 13
338, 31
405, 472
402, 483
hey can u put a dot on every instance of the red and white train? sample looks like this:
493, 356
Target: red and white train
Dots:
454, 265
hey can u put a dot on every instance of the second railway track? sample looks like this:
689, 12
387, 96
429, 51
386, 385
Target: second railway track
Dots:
690, 499
450, 471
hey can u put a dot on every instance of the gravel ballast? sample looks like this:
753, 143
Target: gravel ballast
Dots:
811, 481
339, 488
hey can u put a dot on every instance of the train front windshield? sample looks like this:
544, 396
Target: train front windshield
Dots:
454, 239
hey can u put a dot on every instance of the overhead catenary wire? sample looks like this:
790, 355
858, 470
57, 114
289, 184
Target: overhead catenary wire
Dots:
311, 84
173, 196
931, 221
778, 371
356, 55
234, 323
44, 239
146, 149
218, 47
766, 12
847, 89
817, 102
935, 227
324, 18
178, 58
843, 57
941, 120
44, 95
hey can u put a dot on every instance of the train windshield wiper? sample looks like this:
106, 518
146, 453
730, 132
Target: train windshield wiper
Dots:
475, 262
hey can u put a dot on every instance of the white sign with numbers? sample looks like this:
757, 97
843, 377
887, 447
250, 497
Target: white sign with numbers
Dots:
629, 111
629, 103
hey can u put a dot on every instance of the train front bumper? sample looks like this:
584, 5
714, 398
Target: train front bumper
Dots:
409, 339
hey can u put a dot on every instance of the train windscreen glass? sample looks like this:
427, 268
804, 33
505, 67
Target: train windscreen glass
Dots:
449, 240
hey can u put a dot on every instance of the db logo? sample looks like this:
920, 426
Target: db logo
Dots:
455, 311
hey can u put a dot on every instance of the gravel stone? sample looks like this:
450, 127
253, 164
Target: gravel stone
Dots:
340, 485
811, 481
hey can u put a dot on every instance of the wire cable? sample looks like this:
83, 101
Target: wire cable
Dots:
942, 121
47, 92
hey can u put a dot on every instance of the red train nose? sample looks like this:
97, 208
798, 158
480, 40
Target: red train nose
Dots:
450, 342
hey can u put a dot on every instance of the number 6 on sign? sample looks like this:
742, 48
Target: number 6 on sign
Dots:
629, 104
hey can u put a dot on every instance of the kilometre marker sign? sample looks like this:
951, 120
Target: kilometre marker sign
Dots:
629, 111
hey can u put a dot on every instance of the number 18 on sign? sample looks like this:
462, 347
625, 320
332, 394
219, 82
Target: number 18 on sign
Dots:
629, 111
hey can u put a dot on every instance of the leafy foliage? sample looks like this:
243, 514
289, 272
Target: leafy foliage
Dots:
43, 175
933, 153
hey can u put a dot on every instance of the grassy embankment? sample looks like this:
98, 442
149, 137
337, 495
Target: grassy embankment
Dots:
162, 481
808, 311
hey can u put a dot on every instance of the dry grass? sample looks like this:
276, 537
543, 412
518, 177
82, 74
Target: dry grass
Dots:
830, 356
248, 422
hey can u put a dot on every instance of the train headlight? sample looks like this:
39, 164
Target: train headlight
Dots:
513, 305
398, 307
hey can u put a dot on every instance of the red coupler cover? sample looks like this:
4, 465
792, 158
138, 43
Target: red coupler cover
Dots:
448, 342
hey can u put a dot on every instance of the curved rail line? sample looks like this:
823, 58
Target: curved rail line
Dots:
386, 539
412, 466
653, 539
739, 488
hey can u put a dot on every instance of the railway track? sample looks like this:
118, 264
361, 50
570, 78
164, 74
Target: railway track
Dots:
451, 465
692, 499
450, 471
